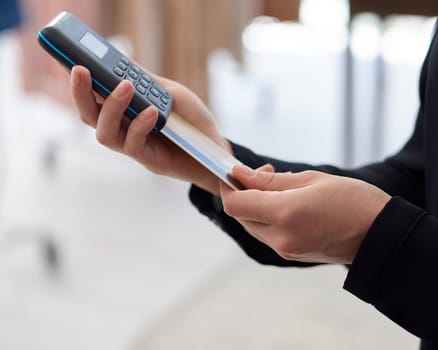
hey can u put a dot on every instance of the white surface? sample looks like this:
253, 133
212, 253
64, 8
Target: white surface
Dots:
260, 308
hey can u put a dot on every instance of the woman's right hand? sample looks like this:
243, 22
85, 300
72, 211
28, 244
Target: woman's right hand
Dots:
156, 153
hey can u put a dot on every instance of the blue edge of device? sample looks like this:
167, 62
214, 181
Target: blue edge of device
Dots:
69, 60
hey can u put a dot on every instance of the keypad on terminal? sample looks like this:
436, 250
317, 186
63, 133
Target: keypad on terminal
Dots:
143, 83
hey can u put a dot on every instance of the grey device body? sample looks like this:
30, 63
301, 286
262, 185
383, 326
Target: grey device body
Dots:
72, 43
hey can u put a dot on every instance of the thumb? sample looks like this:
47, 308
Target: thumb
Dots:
267, 167
263, 178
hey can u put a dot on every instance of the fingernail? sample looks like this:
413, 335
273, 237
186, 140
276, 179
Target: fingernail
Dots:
122, 90
75, 79
269, 168
149, 113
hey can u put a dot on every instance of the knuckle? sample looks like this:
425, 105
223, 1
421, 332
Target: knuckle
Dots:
267, 178
103, 139
87, 119
82, 117
228, 206
133, 152
262, 180
152, 167
310, 174
288, 247
129, 151
285, 256
283, 245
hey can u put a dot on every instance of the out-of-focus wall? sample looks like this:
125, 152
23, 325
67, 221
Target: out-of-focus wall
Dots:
170, 37
193, 29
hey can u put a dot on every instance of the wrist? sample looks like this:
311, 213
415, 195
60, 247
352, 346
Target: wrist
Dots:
370, 213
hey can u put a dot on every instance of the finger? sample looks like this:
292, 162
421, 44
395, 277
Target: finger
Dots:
109, 130
83, 97
253, 205
270, 181
191, 108
259, 179
267, 168
252, 227
138, 130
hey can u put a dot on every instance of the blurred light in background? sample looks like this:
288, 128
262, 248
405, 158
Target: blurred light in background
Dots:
365, 45
404, 45
296, 74
294, 78
326, 15
365, 37
406, 39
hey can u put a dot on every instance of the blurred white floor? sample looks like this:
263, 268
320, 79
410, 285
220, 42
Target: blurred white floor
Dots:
141, 269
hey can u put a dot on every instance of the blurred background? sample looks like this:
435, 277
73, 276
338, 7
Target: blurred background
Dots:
98, 253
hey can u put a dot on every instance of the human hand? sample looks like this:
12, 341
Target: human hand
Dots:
308, 216
131, 138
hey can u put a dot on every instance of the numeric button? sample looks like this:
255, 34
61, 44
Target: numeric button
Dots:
125, 60
141, 89
133, 75
146, 77
155, 101
136, 69
162, 90
118, 71
164, 100
133, 81
155, 92
144, 83
122, 66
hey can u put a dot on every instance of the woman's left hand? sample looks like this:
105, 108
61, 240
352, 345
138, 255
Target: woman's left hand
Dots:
308, 216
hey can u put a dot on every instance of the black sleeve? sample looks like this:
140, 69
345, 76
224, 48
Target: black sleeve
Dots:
395, 268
